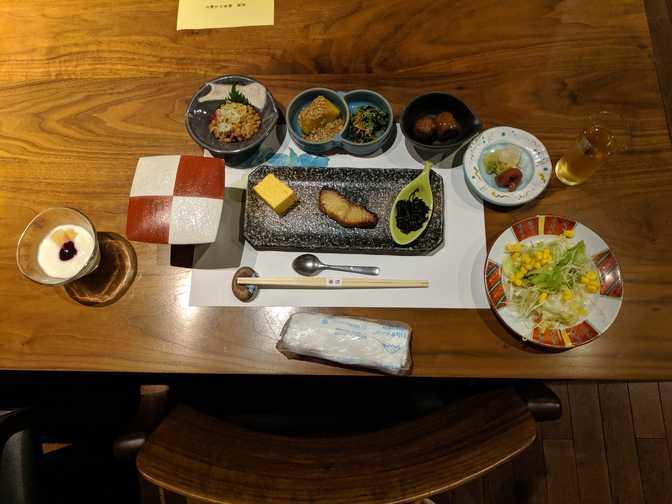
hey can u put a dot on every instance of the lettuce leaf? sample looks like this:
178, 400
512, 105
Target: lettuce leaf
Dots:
564, 273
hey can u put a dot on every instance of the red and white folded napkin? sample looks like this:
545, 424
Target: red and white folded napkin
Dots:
176, 199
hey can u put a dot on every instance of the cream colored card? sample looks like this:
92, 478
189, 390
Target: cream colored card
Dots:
196, 14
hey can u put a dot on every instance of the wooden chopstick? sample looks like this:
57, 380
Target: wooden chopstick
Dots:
333, 283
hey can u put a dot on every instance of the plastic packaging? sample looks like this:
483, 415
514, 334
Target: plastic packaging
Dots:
374, 344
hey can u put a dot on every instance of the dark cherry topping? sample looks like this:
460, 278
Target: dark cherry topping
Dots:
68, 251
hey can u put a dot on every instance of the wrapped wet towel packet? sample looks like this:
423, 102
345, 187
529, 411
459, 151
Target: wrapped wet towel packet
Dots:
376, 344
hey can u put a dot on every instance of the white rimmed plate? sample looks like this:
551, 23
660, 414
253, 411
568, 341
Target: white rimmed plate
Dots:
535, 164
602, 309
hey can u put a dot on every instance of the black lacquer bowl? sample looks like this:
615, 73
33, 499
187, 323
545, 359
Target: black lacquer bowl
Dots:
433, 104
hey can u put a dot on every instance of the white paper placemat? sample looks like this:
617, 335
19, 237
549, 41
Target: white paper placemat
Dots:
455, 271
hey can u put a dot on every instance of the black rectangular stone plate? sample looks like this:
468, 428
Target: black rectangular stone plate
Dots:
305, 228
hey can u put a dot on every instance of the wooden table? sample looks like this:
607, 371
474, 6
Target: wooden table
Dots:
88, 87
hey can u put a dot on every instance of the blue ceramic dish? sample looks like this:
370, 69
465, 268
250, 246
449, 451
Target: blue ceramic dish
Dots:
302, 100
199, 112
361, 98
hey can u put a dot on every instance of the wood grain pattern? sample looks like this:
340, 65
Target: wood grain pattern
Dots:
589, 449
561, 475
529, 471
666, 402
499, 485
647, 415
626, 484
645, 458
89, 87
562, 427
205, 458
659, 14
654, 462
470, 493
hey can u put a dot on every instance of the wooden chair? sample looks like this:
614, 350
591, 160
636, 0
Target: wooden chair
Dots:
204, 458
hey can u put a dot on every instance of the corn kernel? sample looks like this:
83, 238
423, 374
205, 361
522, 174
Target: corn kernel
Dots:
542, 297
516, 256
592, 288
513, 247
591, 275
567, 295
569, 233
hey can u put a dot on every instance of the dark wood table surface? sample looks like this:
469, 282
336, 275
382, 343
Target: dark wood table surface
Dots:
88, 87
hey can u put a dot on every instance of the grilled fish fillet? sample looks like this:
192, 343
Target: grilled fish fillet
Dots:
348, 214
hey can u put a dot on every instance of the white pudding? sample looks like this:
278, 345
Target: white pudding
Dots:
65, 251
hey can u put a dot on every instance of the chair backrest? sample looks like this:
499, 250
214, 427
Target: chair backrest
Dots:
203, 457
19, 454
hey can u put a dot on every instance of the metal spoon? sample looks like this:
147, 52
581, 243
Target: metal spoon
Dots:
310, 265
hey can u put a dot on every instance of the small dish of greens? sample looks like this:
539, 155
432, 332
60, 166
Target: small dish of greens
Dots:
371, 122
367, 122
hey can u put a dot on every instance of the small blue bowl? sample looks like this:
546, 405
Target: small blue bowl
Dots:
361, 98
299, 102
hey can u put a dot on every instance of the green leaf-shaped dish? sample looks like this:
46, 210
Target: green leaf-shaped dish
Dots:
424, 192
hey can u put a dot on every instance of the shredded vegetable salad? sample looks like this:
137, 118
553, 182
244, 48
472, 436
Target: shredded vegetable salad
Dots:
550, 284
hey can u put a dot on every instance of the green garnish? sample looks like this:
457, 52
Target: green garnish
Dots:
365, 123
565, 273
236, 96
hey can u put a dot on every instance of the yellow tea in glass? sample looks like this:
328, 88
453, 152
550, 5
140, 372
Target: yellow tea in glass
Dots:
605, 134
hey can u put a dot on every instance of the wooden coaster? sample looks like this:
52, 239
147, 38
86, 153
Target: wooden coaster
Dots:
113, 276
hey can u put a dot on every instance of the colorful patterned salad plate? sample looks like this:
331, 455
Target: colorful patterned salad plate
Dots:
535, 165
602, 307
